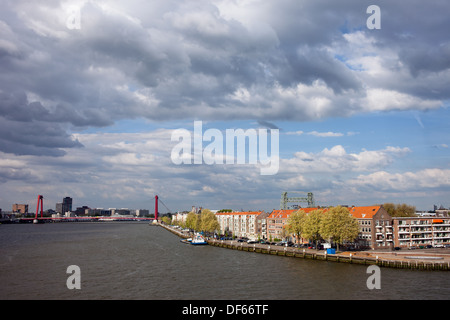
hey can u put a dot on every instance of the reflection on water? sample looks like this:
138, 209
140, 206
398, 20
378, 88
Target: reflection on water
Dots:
132, 260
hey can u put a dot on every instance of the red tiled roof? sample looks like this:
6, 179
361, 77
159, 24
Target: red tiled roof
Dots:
281, 213
357, 212
364, 212
284, 214
240, 213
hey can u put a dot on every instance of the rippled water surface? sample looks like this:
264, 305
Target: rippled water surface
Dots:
132, 260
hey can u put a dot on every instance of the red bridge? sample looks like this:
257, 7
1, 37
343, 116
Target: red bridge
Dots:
42, 219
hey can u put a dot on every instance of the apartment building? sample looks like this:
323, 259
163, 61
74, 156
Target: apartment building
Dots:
239, 224
20, 208
413, 232
261, 224
277, 220
375, 227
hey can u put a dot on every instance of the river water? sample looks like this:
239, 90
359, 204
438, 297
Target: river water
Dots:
132, 260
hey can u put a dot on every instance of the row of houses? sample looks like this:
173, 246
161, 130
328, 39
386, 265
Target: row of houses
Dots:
378, 230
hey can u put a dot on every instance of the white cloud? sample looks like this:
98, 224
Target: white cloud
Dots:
384, 100
295, 133
337, 159
325, 134
382, 180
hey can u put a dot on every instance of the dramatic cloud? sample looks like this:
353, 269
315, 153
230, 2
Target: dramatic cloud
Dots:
217, 60
68, 68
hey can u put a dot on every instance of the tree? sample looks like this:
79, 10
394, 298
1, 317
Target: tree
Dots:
400, 210
338, 225
166, 220
191, 221
294, 223
311, 226
208, 221
404, 210
390, 208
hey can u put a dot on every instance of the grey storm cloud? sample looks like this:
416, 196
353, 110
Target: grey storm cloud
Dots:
166, 60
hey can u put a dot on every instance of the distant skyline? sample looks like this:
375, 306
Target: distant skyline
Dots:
91, 91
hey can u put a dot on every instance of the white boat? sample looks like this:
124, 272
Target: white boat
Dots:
198, 240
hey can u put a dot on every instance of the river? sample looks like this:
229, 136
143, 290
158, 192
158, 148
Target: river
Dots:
132, 260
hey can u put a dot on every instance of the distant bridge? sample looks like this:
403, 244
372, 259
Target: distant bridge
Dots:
42, 219
84, 219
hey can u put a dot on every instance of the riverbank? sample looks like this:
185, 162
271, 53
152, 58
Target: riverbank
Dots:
417, 259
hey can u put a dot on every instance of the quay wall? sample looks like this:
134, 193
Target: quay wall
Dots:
321, 255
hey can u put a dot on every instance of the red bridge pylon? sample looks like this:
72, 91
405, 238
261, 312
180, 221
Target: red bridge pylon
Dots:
40, 201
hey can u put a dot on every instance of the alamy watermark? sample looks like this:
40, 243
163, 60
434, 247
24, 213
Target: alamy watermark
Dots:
74, 280
374, 280
73, 20
190, 149
374, 21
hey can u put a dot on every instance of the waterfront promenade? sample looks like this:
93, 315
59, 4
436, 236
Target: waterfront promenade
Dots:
426, 259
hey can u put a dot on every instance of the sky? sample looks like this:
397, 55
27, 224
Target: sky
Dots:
91, 93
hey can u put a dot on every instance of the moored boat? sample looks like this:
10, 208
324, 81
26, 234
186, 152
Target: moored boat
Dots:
198, 240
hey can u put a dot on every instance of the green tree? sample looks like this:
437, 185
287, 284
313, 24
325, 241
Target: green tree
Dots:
191, 221
166, 220
295, 222
390, 208
208, 221
311, 226
404, 210
338, 225
400, 210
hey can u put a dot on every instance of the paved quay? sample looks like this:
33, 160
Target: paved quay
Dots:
422, 255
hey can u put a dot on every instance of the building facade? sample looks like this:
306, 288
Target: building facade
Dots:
261, 225
416, 232
20, 208
240, 224
375, 227
64, 206
276, 222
